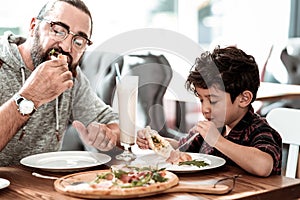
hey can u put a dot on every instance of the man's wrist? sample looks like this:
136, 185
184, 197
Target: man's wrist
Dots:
25, 106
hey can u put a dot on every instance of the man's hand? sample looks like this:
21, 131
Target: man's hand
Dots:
47, 81
98, 135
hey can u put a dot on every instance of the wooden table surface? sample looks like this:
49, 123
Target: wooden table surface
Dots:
25, 186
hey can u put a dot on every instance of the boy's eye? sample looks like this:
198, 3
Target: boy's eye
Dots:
213, 102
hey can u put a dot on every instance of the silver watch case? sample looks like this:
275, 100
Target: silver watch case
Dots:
25, 106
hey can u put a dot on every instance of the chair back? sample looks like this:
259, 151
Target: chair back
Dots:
286, 122
155, 74
290, 57
99, 68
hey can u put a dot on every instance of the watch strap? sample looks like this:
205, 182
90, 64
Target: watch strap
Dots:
18, 99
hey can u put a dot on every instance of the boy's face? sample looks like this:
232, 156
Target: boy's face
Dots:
218, 108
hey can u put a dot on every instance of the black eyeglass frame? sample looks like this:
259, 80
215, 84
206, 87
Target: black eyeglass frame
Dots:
51, 23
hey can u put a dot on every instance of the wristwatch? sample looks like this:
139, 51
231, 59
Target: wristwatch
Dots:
25, 106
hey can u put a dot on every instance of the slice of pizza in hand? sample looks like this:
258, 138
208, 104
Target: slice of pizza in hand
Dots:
162, 147
62, 57
157, 143
54, 54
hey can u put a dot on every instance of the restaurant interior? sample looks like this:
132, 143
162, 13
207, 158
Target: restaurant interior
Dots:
263, 29
132, 33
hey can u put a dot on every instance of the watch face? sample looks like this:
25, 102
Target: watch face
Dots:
26, 107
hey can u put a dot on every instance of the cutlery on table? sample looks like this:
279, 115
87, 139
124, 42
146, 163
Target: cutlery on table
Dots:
188, 141
56, 178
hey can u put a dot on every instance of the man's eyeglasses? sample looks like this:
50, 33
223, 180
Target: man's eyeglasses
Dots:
60, 31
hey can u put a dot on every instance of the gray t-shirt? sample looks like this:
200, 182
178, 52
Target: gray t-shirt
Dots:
78, 103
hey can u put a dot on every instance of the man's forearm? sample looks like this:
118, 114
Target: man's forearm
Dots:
10, 122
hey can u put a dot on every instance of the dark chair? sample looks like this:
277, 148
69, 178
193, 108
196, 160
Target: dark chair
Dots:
291, 61
99, 67
154, 73
290, 57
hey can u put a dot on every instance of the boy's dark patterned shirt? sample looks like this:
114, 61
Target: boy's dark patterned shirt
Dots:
253, 131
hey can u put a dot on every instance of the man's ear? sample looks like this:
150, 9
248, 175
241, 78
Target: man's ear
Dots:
32, 26
245, 98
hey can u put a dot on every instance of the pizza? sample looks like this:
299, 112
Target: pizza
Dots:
157, 143
121, 181
53, 54
162, 147
178, 157
62, 57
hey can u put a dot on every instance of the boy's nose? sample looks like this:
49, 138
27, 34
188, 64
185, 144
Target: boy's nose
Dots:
205, 109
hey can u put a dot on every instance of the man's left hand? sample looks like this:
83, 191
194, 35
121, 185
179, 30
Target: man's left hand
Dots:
98, 135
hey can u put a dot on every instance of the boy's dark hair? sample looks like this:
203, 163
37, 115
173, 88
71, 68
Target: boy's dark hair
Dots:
76, 3
229, 68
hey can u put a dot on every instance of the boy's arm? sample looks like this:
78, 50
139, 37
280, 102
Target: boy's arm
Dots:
250, 159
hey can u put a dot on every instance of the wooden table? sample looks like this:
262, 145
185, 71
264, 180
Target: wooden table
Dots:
25, 186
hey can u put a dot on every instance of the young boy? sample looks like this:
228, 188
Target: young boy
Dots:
226, 82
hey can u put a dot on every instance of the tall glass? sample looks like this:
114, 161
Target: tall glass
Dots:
127, 91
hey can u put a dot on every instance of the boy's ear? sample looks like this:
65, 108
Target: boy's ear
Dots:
245, 98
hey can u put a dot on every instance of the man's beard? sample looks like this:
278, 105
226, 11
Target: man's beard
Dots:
39, 56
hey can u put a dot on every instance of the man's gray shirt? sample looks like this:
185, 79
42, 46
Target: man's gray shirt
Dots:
78, 103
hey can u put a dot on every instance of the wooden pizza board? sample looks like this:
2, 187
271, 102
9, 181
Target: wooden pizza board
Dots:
172, 185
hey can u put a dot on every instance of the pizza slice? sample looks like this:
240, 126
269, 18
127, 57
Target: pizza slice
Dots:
53, 54
163, 147
157, 143
62, 57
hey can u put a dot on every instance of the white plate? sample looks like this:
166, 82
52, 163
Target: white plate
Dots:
62, 161
4, 183
159, 161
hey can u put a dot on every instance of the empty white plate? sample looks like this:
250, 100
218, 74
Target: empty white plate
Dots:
62, 161
4, 183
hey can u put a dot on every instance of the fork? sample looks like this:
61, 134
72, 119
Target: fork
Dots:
56, 178
188, 141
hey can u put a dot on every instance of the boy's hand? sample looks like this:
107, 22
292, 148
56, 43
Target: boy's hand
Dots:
141, 140
208, 131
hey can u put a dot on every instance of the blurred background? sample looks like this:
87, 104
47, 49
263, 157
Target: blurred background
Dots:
255, 26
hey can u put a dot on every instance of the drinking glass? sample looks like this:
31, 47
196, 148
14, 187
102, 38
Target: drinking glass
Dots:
127, 91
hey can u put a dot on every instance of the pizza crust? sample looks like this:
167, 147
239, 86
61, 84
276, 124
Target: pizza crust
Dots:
62, 57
